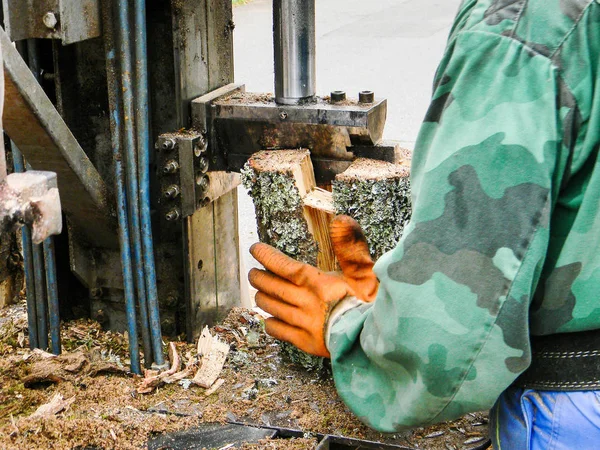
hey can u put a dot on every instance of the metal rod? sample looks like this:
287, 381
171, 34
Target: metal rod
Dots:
294, 45
19, 165
142, 120
40, 296
123, 228
124, 44
33, 59
52, 291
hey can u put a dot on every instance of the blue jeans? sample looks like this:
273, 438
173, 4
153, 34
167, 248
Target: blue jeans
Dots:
524, 419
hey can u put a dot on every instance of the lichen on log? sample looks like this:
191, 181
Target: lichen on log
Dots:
377, 195
269, 178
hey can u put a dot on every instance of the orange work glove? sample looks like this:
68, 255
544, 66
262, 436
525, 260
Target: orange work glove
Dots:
300, 297
352, 252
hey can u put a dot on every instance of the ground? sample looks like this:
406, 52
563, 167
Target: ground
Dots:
260, 387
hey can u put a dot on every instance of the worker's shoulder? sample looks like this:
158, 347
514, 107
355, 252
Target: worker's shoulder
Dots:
542, 25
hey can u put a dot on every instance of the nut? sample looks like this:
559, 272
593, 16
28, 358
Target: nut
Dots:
168, 144
171, 166
366, 97
203, 165
173, 215
200, 147
50, 20
202, 181
171, 191
338, 96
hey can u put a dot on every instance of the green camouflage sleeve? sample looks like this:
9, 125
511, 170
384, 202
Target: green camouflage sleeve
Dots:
449, 330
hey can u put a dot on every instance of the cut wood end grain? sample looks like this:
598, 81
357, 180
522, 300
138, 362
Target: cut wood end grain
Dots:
320, 199
371, 169
280, 161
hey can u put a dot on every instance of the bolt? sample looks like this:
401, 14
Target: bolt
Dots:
171, 300
48, 76
200, 147
96, 292
203, 182
101, 317
50, 20
173, 215
338, 96
366, 97
168, 326
168, 144
283, 115
202, 203
203, 165
171, 191
171, 166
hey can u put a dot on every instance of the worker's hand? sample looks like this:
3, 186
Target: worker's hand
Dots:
300, 298
352, 252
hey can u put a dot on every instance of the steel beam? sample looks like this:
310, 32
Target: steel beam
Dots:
38, 130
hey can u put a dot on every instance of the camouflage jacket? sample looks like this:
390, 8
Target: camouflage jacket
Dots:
504, 240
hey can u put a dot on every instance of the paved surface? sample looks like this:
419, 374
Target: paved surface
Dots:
389, 46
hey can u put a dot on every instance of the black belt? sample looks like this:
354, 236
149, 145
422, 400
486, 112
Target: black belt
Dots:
563, 362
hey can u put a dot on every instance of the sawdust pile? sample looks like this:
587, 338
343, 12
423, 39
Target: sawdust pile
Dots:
100, 406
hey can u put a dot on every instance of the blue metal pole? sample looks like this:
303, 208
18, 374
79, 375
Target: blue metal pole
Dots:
134, 346
43, 272
40, 296
52, 291
142, 120
125, 48
121, 195
19, 164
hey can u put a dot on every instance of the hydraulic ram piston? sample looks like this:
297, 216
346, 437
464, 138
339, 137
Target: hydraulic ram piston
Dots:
294, 42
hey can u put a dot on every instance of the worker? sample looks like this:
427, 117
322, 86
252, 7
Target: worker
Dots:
491, 299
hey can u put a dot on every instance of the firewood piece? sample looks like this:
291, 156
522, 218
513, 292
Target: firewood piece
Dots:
377, 195
278, 182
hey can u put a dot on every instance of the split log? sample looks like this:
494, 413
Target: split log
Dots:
279, 182
377, 195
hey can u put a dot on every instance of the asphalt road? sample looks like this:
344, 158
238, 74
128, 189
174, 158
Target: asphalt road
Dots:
389, 46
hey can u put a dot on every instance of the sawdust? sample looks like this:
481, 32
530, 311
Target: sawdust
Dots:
260, 387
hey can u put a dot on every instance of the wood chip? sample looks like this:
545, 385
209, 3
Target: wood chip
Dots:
204, 342
21, 339
153, 379
214, 387
434, 434
473, 440
43, 354
54, 406
214, 353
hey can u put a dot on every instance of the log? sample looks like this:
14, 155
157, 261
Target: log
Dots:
280, 182
377, 195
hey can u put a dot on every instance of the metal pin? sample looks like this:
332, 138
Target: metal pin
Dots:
366, 97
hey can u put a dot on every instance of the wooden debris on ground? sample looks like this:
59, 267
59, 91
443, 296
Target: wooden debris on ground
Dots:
212, 354
153, 379
49, 368
54, 406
